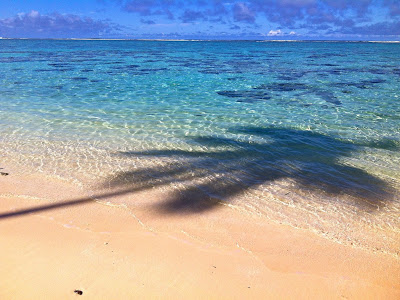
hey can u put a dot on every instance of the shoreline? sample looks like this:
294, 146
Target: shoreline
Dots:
110, 251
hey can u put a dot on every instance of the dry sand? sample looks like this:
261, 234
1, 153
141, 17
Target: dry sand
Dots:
112, 252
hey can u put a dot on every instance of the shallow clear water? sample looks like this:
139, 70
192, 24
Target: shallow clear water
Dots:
306, 134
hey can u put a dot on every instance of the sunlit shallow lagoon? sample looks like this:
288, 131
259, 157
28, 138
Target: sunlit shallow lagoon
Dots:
305, 133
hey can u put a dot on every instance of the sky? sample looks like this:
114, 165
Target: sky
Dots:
202, 19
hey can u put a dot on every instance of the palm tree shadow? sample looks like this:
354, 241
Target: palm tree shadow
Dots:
232, 166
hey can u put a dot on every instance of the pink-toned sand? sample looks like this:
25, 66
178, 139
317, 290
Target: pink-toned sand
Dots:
112, 252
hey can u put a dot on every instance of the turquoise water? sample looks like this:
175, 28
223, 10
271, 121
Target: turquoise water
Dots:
304, 133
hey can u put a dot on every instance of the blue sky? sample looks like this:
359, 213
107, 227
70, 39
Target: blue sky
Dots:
202, 19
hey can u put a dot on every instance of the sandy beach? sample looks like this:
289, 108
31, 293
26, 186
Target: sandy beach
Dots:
49, 250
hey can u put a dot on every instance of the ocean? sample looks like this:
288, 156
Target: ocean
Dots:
305, 134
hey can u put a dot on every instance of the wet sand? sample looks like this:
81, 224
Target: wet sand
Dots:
108, 251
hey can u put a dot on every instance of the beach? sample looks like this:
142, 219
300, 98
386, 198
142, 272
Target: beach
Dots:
222, 170
106, 252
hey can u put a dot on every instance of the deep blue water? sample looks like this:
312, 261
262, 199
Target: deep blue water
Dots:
306, 133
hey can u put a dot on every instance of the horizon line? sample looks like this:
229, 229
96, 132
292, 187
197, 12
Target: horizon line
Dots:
201, 40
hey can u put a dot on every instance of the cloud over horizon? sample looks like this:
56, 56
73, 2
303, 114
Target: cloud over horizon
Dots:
322, 17
57, 25
308, 19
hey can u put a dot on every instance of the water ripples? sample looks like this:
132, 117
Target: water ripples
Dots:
307, 136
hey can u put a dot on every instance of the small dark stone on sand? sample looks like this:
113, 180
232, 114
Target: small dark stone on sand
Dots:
79, 292
4, 174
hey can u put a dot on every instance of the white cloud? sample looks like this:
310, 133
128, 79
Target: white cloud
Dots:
34, 24
33, 14
275, 32
292, 33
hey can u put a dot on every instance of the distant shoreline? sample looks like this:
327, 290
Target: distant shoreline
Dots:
201, 40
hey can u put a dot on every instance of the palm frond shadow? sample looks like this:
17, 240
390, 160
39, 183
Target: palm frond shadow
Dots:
232, 166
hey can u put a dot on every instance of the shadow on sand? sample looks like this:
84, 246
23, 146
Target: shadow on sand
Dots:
230, 166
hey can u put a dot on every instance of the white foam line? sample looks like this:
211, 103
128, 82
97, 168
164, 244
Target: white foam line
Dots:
10, 195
